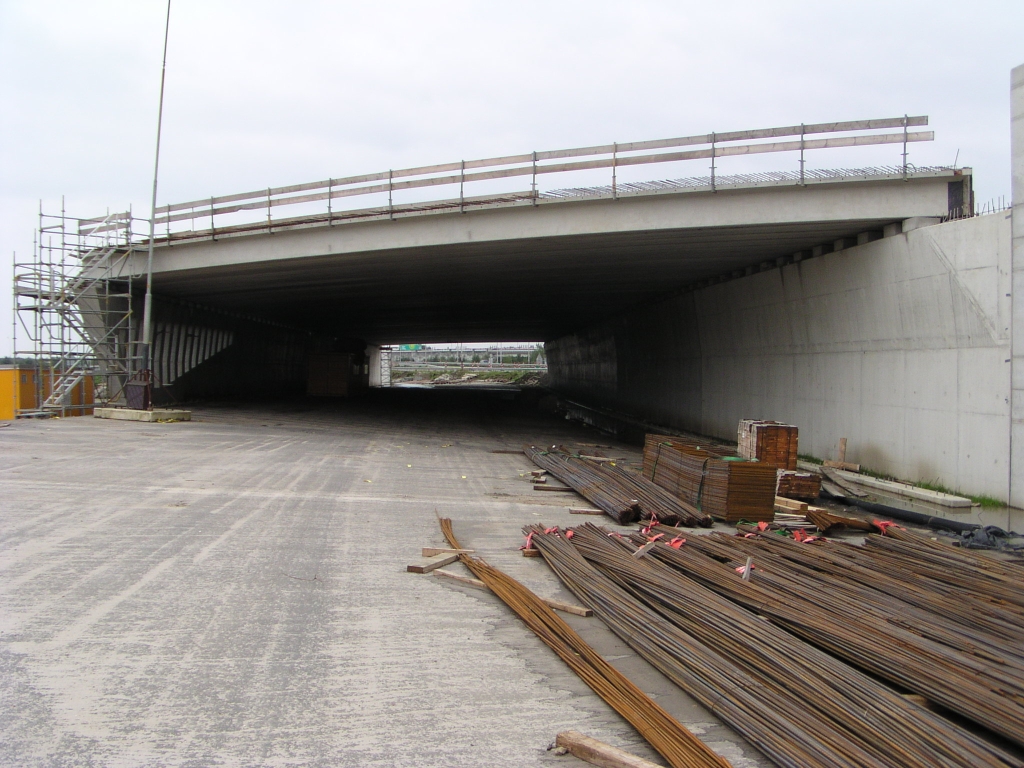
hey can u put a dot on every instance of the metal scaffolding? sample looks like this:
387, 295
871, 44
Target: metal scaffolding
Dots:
73, 313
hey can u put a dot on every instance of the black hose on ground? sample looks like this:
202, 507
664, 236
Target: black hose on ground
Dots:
928, 521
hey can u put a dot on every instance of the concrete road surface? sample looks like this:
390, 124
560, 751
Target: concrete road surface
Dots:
232, 592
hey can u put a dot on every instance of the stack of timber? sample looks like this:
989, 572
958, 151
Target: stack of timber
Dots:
623, 495
798, 485
768, 442
752, 673
725, 487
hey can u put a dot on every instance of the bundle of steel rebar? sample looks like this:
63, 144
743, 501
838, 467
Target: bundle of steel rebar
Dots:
990, 579
623, 495
676, 744
881, 623
949, 592
753, 675
726, 487
655, 502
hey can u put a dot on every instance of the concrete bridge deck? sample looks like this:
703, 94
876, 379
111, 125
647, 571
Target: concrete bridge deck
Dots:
534, 269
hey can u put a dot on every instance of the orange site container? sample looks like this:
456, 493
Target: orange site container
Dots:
19, 389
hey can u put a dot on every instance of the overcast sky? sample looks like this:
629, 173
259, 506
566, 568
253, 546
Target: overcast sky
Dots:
269, 93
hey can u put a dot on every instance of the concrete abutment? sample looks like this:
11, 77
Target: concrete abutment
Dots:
899, 344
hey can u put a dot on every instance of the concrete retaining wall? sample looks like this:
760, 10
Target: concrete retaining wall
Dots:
1017, 177
901, 345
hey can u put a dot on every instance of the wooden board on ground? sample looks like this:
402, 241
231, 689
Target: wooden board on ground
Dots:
434, 551
791, 505
841, 465
598, 753
430, 563
552, 488
585, 511
558, 605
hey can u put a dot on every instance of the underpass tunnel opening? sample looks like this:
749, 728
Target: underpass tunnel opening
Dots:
203, 353
686, 311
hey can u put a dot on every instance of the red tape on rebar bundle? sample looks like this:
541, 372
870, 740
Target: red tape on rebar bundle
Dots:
885, 525
762, 526
529, 541
650, 525
553, 529
656, 536
677, 542
803, 537
569, 534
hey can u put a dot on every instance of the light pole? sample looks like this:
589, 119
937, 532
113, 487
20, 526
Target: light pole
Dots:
147, 316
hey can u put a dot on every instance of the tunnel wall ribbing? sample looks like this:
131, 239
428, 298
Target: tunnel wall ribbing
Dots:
900, 345
199, 352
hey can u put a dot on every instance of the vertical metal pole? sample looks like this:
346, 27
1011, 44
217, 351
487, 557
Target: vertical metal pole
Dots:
713, 162
533, 183
270, 226
391, 206
147, 316
213, 228
905, 147
615, 160
62, 366
330, 213
462, 186
802, 155
15, 389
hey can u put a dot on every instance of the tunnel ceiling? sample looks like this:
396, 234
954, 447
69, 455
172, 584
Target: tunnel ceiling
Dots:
512, 290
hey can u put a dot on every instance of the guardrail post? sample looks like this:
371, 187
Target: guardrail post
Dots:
905, 121
802, 183
615, 161
713, 162
533, 183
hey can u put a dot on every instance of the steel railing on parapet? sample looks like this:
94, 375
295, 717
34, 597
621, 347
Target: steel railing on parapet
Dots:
261, 204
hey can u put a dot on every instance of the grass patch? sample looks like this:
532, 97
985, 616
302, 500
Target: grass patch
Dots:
934, 485
982, 500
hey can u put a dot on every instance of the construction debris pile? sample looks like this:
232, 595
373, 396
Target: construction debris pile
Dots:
726, 487
806, 687
623, 495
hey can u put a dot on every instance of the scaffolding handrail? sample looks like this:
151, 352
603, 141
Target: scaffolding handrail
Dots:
535, 164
